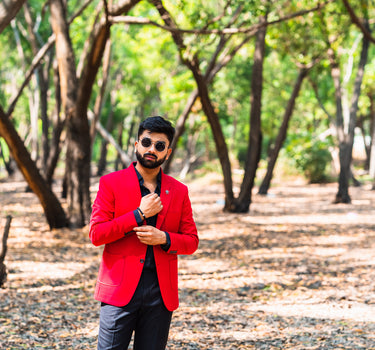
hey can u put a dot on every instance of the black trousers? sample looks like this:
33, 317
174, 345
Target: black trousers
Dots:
145, 314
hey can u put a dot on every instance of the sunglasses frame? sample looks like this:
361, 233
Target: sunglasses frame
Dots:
157, 144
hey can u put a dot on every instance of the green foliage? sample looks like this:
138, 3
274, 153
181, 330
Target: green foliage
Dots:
153, 80
310, 155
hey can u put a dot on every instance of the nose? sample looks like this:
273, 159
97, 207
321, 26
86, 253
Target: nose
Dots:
152, 148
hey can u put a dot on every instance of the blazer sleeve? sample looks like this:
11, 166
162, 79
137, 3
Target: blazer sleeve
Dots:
104, 226
186, 240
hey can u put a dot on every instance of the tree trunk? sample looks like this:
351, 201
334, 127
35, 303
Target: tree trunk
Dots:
8, 164
346, 140
43, 77
102, 164
344, 174
212, 70
33, 96
8, 10
75, 98
243, 201
121, 144
58, 126
125, 159
3, 251
217, 132
213, 119
77, 126
372, 147
180, 127
263, 189
100, 99
52, 208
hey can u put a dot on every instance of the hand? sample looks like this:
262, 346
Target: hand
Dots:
151, 204
150, 235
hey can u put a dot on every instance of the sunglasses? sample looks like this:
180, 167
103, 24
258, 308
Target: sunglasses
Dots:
159, 145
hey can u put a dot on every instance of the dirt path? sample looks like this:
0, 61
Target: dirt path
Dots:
297, 272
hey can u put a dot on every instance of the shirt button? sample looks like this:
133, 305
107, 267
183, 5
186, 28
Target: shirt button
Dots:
142, 261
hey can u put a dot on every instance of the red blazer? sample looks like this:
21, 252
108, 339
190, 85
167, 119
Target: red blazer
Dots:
112, 222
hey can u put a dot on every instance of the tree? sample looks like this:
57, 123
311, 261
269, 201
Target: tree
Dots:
3, 251
190, 58
75, 96
75, 100
263, 189
8, 10
55, 215
345, 129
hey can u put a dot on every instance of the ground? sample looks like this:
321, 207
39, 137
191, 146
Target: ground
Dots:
297, 272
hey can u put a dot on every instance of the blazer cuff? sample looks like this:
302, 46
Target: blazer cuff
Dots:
167, 245
138, 217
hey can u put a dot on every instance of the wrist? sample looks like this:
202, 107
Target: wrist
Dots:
141, 212
165, 239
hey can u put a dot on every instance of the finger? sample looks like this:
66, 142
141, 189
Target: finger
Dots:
150, 194
143, 236
140, 229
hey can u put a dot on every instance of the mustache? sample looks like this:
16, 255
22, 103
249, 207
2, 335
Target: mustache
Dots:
149, 154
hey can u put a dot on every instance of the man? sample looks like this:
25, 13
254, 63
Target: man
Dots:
144, 219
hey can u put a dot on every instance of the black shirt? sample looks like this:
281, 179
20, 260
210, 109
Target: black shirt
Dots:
150, 260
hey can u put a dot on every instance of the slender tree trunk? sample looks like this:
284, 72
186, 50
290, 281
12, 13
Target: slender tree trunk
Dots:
58, 126
243, 201
52, 208
190, 156
102, 164
372, 144
33, 96
100, 99
344, 160
346, 140
180, 127
263, 189
3, 251
43, 77
366, 146
212, 70
217, 132
8, 164
121, 145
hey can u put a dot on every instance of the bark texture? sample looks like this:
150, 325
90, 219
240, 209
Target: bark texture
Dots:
55, 215
8, 10
263, 189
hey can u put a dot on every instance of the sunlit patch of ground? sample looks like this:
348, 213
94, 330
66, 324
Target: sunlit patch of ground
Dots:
297, 272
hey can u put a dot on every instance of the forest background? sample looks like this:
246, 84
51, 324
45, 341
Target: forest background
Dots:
245, 82
262, 93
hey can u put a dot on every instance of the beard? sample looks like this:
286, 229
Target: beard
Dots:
149, 163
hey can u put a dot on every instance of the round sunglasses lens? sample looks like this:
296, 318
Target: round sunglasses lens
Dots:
146, 142
160, 146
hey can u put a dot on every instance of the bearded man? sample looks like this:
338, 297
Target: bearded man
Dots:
144, 219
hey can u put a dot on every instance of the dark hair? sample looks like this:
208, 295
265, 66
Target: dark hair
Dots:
157, 124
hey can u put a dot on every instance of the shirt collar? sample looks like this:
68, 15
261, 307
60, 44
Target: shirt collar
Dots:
140, 178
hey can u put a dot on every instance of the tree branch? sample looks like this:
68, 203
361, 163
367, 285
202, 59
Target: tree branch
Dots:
8, 10
246, 30
38, 57
356, 21
125, 159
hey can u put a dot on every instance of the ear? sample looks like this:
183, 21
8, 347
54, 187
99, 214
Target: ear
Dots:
169, 152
